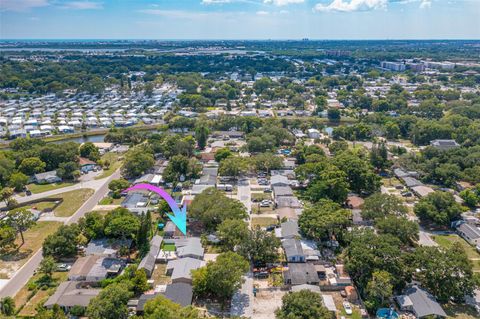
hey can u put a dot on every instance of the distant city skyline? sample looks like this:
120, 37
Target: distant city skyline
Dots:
240, 19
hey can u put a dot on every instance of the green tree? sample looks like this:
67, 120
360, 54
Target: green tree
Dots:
324, 220
8, 235
32, 165
62, 243
222, 153
117, 186
232, 232
121, 223
360, 173
331, 184
233, 166
111, 303
92, 225
333, 115
438, 207
180, 166
21, 220
68, 170
139, 282
137, 161
7, 306
90, 151
261, 247
47, 266
221, 278
379, 290
18, 181
201, 135
212, 207
162, 308
267, 162
380, 205
400, 227
447, 274
304, 304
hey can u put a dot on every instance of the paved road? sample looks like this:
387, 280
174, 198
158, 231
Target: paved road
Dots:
22, 276
242, 300
244, 194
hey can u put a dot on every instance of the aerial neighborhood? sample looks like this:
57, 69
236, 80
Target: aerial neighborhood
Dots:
342, 183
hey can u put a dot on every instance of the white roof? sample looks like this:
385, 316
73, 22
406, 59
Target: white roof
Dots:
329, 303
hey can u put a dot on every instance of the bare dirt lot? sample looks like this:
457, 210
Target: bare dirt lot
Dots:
266, 302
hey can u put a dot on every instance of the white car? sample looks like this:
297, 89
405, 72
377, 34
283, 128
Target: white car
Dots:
347, 307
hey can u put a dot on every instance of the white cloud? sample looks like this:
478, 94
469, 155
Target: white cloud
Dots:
262, 13
83, 5
281, 3
351, 5
22, 5
425, 4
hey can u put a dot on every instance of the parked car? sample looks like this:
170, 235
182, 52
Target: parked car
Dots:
347, 307
267, 190
63, 267
28, 192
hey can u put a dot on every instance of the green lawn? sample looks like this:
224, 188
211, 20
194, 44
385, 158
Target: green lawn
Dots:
115, 163
37, 188
111, 201
263, 221
447, 241
72, 201
460, 311
33, 241
261, 196
168, 247
27, 300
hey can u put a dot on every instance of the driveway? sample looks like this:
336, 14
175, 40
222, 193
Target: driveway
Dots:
242, 300
22, 276
244, 194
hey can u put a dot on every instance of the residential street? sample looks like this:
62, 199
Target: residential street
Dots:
25, 273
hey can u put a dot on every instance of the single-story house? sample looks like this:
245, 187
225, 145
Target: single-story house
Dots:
444, 145
70, 294
420, 302
148, 262
106, 247
282, 191
86, 165
470, 233
191, 247
179, 292
287, 201
136, 202
301, 274
279, 180
422, 190
46, 178
288, 229
95, 268
180, 269
293, 250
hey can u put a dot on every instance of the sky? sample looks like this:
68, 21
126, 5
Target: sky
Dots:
239, 19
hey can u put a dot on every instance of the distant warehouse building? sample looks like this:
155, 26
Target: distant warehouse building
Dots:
393, 66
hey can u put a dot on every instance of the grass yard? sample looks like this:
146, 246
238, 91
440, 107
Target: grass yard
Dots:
72, 201
447, 241
260, 196
159, 276
27, 300
115, 163
34, 238
263, 221
168, 247
37, 188
111, 201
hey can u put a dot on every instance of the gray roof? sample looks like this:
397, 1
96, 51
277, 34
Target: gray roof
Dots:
421, 302
279, 180
142, 300
301, 273
148, 262
211, 171
106, 246
180, 293
292, 247
132, 200
288, 201
290, 229
444, 143
411, 182
183, 267
469, 231
282, 191
69, 294
190, 247
46, 175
